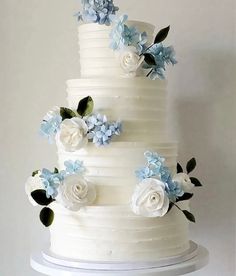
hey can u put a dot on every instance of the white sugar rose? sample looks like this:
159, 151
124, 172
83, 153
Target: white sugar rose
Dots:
33, 183
73, 134
76, 192
150, 199
130, 61
184, 180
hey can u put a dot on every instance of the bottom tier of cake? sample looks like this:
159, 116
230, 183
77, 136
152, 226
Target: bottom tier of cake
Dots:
115, 234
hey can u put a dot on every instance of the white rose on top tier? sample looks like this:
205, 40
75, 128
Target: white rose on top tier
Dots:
33, 183
76, 192
150, 198
130, 61
73, 134
184, 180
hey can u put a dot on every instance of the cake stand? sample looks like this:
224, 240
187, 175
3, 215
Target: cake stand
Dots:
194, 259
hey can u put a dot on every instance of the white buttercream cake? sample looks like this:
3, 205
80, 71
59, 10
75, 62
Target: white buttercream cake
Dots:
127, 221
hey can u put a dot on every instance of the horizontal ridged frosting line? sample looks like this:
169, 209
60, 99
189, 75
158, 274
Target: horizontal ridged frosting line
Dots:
112, 168
139, 103
114, 233
96, 57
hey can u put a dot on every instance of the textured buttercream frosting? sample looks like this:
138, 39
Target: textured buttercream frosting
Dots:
114, 233
97, 59
108, 230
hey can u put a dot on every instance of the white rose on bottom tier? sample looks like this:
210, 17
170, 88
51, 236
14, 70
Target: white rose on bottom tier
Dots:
130, 61
33, 183
73, 134
184, 180
150, 199
76, 192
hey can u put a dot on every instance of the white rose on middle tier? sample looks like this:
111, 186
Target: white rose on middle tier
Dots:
130, 61
150, 198
184, 180
76, 192
73, 134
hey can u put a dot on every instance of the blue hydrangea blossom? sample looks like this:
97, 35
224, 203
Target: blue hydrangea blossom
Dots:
163, 56
123, 35
50, 127
74, 167
51, 182
101, 131
98, 11
155, 168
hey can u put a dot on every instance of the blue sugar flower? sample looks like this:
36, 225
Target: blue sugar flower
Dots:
49, 128
51, 182
102, 134
141, 46
163, 56
154, 158
174, 190
95, 120
98, 11
115, 128
74, 167
144, 173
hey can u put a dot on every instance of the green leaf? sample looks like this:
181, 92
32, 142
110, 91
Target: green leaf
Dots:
40, 197
189, 215
35, 173
191, 165
46, 216
186, 196
149, 59
179, 168
196, 182
162, 35
56, 170
67, 113
85, 106
170, 207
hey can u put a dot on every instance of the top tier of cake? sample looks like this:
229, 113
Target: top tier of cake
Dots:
97, 59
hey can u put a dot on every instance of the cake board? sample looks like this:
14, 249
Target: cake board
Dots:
196, 258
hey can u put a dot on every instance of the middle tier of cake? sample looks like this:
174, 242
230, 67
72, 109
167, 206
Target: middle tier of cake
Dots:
112, 168
140, 104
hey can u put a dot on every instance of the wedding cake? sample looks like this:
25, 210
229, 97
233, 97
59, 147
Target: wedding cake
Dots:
119, 194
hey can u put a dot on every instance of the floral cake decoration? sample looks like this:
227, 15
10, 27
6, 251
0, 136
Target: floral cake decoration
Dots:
158, 192
130, 45
68, 187
73, 129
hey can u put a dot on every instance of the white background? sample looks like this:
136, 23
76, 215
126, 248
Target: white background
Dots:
38, 52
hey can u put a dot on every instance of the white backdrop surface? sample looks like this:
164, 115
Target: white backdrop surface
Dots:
38, 52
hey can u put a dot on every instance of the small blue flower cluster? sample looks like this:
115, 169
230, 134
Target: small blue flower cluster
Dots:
122, 35
50, 127
155, 168
163, 56
52, 180
98, 11
100, 130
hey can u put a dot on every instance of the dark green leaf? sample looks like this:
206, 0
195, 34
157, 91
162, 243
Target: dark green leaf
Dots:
162, 35
170, 207
189, 215
186, 196
191, 165
85, 106
149, 59
196, 182
35, 173
179, 168
56, 170
46, 216
66, 113
40, 197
